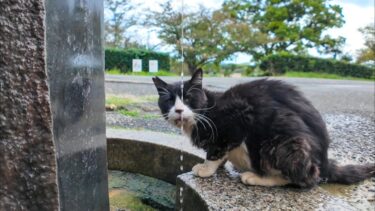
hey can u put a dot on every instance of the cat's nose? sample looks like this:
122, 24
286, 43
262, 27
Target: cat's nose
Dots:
178, 110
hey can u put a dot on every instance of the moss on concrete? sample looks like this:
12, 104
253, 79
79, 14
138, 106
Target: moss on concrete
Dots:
120, 199
138, 192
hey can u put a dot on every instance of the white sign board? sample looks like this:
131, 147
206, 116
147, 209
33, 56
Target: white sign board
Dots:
153, 66
137, 65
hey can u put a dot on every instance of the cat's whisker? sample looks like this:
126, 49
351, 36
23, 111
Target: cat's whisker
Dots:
205, 117
211, 133
196, 125
199, 120
205, 109
211, 124
202, 120
215, 133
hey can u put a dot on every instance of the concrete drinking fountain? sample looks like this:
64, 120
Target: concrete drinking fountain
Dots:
150, 153
54, 149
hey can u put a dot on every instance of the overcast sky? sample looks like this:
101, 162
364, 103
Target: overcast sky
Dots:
357, 13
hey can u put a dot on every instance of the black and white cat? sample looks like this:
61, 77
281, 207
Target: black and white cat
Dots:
266, 128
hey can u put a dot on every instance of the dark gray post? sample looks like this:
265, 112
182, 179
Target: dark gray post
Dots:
52, 130
76, 80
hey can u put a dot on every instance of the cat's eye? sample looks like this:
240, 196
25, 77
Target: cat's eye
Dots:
187, 98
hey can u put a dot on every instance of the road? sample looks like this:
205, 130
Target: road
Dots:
329, 96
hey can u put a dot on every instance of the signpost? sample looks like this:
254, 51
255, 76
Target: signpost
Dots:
137, 65
153, 66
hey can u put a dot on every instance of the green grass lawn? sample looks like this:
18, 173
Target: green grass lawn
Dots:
128, 100
321, 75
131, 113
287, 74
119, 101
129, 105
135, 113
159, 73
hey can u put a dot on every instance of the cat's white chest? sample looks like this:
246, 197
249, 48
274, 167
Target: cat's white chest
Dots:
239, 157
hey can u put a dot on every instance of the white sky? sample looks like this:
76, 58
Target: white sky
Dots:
357, 13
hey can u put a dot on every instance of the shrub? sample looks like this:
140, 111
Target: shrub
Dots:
281, 63
122, 59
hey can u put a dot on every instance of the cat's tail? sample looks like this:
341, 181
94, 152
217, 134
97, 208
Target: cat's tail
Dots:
349, 174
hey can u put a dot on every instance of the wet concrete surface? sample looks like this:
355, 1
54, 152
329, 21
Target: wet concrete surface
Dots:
224, 191
352, 143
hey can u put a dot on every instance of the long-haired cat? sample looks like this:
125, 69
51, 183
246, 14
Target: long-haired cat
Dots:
266, 128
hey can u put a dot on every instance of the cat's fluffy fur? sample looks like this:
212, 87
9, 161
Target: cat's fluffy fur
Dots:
266, 127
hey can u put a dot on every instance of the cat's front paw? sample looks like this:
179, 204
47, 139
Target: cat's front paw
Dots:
203, 170
249, 178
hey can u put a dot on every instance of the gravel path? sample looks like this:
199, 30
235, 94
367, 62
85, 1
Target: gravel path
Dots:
115, 119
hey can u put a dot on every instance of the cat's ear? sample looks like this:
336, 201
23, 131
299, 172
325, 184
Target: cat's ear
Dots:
159, 84
196, 78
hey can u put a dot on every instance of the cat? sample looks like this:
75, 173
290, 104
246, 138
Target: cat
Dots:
268, 130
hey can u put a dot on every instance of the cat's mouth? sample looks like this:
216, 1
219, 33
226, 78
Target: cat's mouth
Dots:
179, 121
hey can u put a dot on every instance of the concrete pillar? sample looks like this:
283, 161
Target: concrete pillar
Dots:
52, 119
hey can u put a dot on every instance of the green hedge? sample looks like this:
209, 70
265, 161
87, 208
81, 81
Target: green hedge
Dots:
122, 59
280, 63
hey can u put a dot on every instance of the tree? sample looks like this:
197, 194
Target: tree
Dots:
290, 25
119, 21
209, 36
367, 54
